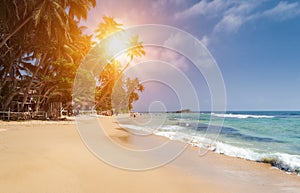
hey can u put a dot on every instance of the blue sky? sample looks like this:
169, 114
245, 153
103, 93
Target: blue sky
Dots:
256, 44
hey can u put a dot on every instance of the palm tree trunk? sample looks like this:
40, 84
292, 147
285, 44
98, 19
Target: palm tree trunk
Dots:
8, 100
31, 80
46, 94
2, 83
15, 31
38, 102
41, 87
24, 22
12, 94
109, 81
9, 70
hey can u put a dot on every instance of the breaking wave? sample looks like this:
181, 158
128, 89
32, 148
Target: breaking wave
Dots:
241, 116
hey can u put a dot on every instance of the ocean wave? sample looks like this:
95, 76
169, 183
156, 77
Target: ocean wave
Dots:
148, 129
241, 116
142, 130
283, 161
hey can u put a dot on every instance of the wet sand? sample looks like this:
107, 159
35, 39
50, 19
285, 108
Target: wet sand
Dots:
38, 156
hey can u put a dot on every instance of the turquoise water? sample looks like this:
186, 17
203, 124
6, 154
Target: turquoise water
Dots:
272, 137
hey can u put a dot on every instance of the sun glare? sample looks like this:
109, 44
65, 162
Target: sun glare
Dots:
117, 46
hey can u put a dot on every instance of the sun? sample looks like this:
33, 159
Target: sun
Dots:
116, 45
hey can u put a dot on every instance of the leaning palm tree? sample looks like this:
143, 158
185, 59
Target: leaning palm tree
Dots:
42, 17
60, 27
135, 48
14, 16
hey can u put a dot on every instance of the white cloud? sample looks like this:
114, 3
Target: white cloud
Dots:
178, 41
179, 50
229, 24
212, 8
165, 55
235, 17
282, 11
158, 7
242, 8
205, 40
192, 49
230, 15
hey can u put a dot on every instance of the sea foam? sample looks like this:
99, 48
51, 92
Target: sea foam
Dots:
283, 161
241, 116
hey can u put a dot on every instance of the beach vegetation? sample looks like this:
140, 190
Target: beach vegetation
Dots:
42, 44
115, 91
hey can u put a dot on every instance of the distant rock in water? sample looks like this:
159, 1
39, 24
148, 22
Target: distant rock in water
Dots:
184, 111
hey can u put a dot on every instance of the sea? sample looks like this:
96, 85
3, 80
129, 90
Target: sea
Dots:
263, 136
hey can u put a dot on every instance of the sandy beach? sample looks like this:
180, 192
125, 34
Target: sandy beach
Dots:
42, 156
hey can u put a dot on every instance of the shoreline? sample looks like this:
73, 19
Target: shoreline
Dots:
282, 161
55, 154
263, 177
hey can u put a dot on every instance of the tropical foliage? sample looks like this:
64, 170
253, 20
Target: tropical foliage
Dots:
41, 47
116, 92
40, 41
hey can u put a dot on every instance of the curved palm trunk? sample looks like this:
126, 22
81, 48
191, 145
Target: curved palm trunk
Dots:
24, 22
9, 70
5, 78
46, 94
119, 75
15, 31
38, 103
40, 90
8, 100
117, 78
26, 94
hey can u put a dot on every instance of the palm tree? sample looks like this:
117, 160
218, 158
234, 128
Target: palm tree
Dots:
132, 86
80, 8
37, 11
12, 20
108, 27
64, 64
11, 67
40, 11
107, 78
135, 49
63, 33
33, 36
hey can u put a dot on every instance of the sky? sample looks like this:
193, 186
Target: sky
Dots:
255, 43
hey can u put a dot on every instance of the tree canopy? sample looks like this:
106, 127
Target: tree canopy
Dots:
41, 48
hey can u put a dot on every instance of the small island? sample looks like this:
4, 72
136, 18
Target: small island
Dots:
181, 111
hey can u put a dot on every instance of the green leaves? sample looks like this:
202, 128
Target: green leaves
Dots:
41, 47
